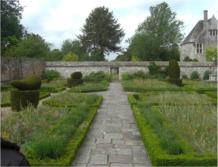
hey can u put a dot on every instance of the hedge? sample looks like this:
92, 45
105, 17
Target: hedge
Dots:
22, 98
74, 144
159, 156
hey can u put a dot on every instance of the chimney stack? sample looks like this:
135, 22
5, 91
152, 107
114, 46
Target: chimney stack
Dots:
205, 15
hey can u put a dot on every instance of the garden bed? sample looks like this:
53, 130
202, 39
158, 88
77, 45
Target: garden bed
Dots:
51, 134
139, 85
177, 128
91, 87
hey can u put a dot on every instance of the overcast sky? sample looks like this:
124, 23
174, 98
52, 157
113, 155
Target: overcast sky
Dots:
57, 20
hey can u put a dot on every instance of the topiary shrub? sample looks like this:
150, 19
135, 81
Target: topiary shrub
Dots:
75, 79
76, 75
50, 75
22, 98
207, 75
195, 75
29, 83
174, 73
26, 92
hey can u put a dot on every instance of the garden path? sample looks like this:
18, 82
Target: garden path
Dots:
113, 139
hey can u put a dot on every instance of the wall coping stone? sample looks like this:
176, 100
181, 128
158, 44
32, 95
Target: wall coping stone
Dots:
124, 64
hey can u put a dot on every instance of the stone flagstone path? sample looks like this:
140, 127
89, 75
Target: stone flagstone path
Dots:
113, 139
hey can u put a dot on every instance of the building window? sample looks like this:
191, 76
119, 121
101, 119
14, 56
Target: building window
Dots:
199, 48
213, 32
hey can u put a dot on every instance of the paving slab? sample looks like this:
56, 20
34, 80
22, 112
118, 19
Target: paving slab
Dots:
113, 139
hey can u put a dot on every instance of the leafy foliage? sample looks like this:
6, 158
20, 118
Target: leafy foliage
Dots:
211, 54
11, 29
101, 33
174, 72
206, 75
71, 57
32, 45
195, 75
97, 76
50, 75
136, 75
29, 83
64, 124
157, 37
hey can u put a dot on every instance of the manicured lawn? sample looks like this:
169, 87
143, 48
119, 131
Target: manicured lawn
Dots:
51, 134
91, 87
178, 128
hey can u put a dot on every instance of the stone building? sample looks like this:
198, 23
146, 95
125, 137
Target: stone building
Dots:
202, 36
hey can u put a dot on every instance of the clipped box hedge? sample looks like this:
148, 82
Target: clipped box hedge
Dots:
159, 156
22, 98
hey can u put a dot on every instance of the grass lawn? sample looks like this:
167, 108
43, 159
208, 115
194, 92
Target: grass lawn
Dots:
91, 87
51, 134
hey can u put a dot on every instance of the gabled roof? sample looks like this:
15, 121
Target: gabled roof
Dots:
193, 36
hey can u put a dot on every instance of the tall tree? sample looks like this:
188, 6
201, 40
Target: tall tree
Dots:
32, 45
160, 32
101, 33
66, 46
11, 28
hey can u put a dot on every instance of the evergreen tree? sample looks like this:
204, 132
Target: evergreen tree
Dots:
101, 33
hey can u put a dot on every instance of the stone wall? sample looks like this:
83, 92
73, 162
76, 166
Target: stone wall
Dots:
66, 68
18, 68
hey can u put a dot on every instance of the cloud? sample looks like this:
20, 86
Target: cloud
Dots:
57, 20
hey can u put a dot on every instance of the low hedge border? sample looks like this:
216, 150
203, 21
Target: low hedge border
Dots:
158, 156
74, 144
83, 89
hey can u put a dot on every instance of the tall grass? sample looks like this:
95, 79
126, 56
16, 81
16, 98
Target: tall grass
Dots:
198, 124
147, 85
45, 132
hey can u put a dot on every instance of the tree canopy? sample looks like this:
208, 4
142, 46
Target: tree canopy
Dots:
11, 28
32, 45
157, 35
101, 33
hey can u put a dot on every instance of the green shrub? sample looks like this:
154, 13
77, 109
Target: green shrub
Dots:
29, 83
76, 75
97, 76
74, 82
136, 75
50, 75
206, 75
153, 68
174, 73
184, 76
195, 75
70, 57
22, 98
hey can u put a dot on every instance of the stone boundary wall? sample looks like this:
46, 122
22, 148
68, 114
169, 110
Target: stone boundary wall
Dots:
18, 68
66, 68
